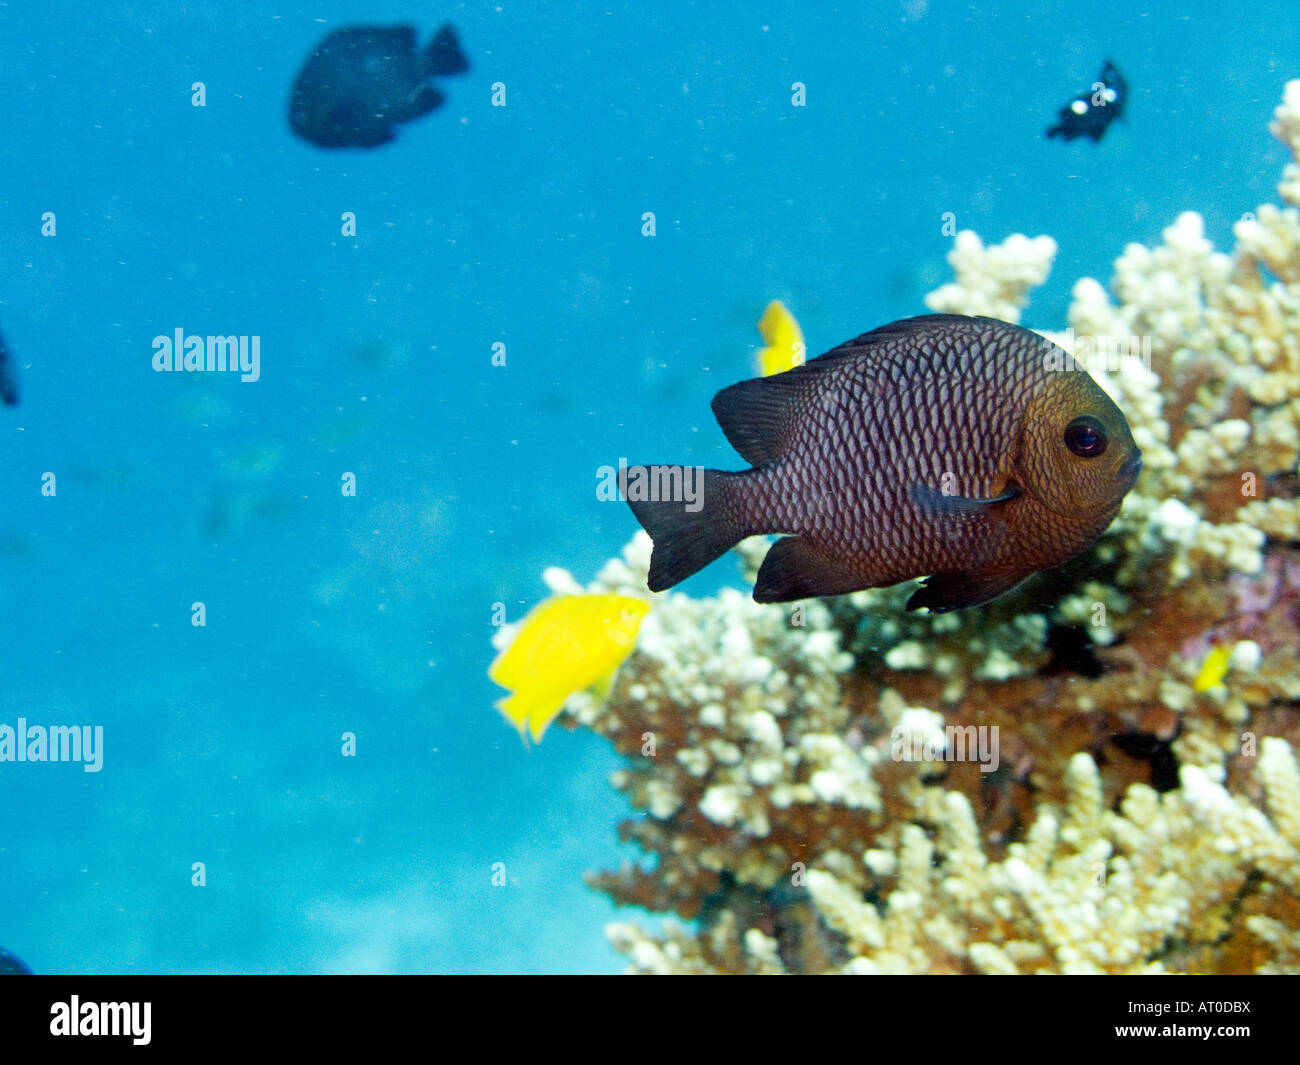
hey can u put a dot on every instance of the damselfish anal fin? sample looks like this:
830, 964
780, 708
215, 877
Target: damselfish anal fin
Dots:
796, 569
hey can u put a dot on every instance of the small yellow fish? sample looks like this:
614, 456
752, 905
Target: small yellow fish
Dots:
1213, 670
785, 347
567, 644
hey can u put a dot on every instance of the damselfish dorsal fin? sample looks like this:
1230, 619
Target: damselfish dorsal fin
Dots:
760, 416
925, 323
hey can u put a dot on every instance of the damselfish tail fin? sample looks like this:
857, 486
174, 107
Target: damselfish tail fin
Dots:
444, 56
689, 529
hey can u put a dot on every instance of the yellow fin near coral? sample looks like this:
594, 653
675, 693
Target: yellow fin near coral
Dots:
784, 339
566, 644
1213, 670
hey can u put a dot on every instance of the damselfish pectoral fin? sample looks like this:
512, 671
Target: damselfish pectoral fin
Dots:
975, 529
795, 569
955, 591
939, 503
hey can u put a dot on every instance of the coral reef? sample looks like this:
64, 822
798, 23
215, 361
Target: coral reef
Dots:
808, 774
993, 281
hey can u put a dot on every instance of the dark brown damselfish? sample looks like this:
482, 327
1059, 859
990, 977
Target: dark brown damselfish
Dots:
965, 450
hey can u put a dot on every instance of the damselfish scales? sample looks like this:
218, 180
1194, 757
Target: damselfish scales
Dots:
965, 450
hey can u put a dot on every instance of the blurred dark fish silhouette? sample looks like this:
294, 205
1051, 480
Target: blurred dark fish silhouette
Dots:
362, 80
965, 450
1091, 112
12, 965
8, 376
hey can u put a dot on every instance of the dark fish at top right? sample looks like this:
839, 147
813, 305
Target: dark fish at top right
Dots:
1091, 112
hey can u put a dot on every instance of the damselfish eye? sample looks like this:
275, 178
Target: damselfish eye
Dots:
1086, 437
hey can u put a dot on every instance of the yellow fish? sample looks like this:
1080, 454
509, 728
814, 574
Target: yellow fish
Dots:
1213, 670
567, 644
785, 347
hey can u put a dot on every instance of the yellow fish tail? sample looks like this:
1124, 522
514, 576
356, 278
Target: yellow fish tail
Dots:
532, 711
785, 346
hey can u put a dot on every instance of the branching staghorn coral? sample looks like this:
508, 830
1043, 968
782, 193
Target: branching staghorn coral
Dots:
1089, 891
785, 824
791, 762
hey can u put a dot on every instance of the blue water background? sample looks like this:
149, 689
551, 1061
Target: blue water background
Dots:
519, 225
